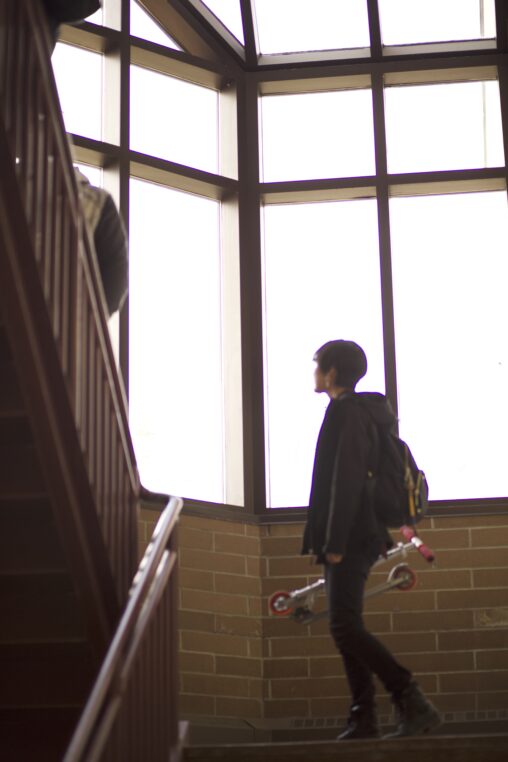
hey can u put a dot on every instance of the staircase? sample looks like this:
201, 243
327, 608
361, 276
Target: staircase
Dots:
47, 659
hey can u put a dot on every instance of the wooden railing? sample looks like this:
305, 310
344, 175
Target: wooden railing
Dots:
132, 711
52, 296
40, 157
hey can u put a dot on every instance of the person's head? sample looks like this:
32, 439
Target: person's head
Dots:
67, 12
340, 364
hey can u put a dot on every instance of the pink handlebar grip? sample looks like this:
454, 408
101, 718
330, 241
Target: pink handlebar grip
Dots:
426, 552
409, 535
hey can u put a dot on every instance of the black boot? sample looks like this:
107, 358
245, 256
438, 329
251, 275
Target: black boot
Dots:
415, 713
361, 723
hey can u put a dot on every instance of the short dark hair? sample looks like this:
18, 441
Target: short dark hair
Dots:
347, 359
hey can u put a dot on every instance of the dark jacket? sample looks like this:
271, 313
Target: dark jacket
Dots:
340, 518
110, 239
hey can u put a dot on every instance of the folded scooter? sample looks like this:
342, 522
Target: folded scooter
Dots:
298, 604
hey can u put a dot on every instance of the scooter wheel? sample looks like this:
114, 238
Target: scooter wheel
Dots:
278, 603
406, 575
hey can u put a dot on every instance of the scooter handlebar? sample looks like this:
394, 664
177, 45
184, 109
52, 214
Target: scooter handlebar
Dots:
410, 535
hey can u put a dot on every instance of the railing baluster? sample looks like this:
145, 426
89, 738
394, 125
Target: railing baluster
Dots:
82, 338
58, 255
29, 128
10, 15
4, 11
99, 433
90, 377
17, 89
40, 174
67, 295
106, 489
49, 221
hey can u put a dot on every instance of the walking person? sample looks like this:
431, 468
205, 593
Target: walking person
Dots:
343, 534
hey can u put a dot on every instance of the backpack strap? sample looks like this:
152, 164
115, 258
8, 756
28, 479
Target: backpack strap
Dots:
373, 461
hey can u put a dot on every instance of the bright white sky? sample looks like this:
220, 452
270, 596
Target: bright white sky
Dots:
321, 261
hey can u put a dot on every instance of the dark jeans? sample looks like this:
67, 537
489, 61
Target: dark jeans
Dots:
363, 655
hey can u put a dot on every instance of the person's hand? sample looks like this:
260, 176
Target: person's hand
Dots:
333, 558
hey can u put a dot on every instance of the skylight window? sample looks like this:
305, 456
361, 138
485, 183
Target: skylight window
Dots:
144, 26
444, 126
230, 14
288, 26
404, 22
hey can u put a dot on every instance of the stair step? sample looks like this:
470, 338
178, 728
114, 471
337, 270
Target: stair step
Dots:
15, 429
39, 607
488, 748
36, 735
10, 394
29, 540
20, 472
5, 350
45, 674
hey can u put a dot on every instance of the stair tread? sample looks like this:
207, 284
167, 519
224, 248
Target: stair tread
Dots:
36, 734
45, 674
39, 607
20, 471
470, 748
29, 541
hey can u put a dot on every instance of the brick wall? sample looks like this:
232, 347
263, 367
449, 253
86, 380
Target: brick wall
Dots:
237, 661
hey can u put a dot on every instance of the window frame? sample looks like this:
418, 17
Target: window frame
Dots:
241, 77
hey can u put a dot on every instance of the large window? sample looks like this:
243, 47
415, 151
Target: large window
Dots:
450, 264
328, 134
292, 172
174, 119
175, 345
322, 281
79, 71
444, 126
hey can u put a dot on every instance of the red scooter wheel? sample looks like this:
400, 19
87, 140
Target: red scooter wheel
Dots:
278, 603
403, 571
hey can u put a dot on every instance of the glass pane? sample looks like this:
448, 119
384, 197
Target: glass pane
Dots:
174, 119
175, 359
404, 22
450, 269
229, 12
286, 26
317, 135
78, 75
144, 26
436, 127
321, 282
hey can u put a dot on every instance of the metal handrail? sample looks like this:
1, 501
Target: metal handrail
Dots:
104, 701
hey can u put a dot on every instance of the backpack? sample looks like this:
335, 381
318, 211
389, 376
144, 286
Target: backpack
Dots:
396, 486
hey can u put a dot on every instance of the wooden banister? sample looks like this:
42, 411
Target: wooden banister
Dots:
37, 150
